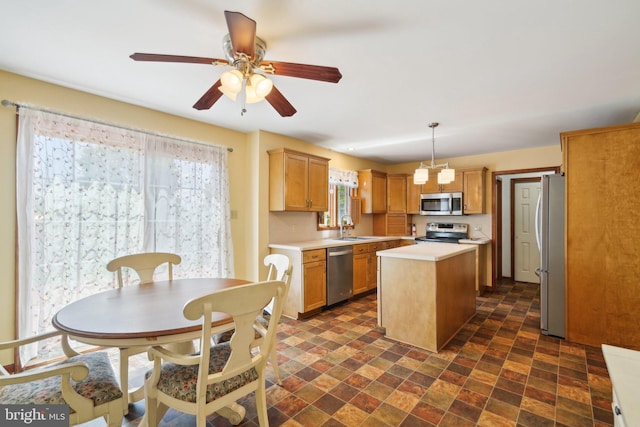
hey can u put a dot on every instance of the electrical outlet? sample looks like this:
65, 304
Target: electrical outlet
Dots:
477, 227
293, 228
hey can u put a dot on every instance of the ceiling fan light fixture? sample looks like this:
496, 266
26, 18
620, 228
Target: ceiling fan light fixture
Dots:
261, 84
231, 82
231, 95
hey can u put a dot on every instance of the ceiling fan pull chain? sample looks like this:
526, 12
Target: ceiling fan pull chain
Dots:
243, 96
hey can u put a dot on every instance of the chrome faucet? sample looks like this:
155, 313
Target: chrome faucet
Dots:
344, 221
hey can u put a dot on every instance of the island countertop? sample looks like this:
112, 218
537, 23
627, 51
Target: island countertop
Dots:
428, 251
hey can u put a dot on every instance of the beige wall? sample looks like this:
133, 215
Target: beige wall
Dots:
248, 170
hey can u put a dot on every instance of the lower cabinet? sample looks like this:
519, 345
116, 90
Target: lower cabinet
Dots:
308, 289
365, 264
360, 262
314, 267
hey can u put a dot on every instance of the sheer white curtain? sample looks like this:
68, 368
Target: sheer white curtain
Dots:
90, 192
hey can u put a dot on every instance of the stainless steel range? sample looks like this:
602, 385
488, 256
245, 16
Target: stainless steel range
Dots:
444, 232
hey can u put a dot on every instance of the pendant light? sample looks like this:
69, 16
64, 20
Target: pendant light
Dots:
445, 176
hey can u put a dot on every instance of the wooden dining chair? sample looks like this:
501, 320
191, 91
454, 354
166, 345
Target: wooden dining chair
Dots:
217, 375
144, 264
85, 382
279, 269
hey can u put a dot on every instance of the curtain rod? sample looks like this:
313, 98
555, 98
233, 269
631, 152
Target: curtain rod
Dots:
7, 103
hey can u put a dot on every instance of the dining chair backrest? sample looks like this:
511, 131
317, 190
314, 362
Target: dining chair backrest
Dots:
279, 269
225, 372
244, 303
144, 264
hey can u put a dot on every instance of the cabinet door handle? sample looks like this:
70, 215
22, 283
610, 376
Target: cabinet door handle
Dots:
618, 411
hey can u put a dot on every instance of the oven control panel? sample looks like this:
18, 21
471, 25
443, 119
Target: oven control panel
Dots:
455, 227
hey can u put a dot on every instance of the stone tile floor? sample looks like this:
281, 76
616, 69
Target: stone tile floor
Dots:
339, 370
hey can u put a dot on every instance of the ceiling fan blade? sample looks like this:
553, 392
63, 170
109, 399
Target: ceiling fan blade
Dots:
156, 57
242, 31
209, 98
280, 103
304, 71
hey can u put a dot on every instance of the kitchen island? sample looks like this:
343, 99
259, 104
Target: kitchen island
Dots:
426, 292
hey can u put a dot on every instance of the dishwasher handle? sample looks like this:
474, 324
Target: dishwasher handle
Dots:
338, 253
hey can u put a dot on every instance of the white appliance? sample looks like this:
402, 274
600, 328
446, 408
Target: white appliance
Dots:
441, 204
550, 239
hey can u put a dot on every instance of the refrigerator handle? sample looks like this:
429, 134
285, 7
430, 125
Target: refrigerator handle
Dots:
538, 219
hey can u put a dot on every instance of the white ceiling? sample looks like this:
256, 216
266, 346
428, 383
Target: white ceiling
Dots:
497, 74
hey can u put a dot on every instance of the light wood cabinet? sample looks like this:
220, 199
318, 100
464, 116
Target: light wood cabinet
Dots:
314, 266
396, 193
432, 185
470, 181
473, 191
308, 288
298, 181
372, 189
365, 264
602, 234
413, 196
390, 224
394, 221
360, 269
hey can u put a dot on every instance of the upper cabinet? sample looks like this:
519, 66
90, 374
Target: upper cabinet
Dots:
397, 193
432, 185
473, 191
413, 196
470, 181
298, 181
372, 188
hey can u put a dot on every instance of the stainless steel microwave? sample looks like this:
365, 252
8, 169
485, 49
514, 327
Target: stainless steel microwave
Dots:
441, 204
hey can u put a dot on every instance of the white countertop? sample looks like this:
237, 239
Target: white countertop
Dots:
475, 241
329, 243
427, 251
624, 370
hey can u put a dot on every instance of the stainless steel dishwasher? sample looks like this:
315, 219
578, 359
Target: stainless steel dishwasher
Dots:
339, 274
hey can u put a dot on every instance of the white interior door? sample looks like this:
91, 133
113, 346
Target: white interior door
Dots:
525, 250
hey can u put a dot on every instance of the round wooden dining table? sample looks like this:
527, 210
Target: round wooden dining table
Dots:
146, 314
141, 316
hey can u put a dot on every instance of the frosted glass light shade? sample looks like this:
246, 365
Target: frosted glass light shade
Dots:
262, 85
231, 82
257, 88
420, 176
230, 94
446, 176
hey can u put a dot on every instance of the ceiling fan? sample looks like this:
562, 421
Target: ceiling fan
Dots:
244, 52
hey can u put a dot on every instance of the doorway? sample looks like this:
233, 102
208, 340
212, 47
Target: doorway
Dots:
525, 255
502, 219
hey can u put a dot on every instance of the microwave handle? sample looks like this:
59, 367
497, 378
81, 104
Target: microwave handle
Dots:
450, 203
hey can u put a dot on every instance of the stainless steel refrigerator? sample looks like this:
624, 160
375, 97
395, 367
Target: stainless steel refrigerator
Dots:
550, 239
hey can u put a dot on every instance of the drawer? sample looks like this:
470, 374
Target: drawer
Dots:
314, 255
360, 249
375, 246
